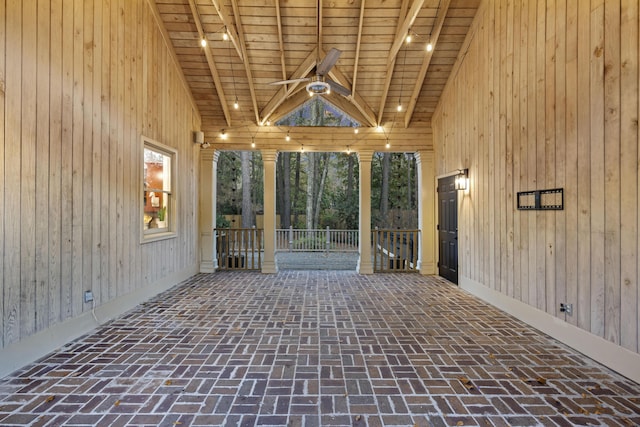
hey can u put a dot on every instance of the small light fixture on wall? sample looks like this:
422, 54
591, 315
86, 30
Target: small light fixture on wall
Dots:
462, 179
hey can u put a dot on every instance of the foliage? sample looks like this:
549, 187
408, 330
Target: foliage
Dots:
339, 204
317, 111
402, 191
229, 183
221, 221
309, 242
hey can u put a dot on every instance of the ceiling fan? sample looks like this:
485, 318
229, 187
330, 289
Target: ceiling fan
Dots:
319, 84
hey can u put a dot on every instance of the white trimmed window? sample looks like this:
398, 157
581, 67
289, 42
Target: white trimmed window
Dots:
158, 183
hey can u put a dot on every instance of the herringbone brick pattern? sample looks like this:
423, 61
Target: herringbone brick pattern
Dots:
320, 348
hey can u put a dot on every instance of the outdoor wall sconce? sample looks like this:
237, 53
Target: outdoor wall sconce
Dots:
462, 179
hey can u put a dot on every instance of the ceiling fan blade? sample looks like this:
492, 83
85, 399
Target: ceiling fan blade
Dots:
286, 82
328, 62
338, 88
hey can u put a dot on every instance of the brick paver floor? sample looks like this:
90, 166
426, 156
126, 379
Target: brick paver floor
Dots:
317, 348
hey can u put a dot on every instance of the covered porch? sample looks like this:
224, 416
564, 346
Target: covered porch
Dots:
426, 236
302, 348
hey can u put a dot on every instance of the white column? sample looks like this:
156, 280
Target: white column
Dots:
269, 158
207, 195
427, 252
364, 262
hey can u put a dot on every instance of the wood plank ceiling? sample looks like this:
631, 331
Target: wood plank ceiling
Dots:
271, 40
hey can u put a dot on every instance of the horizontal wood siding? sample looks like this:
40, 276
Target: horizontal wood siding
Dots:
80, 82
547, 95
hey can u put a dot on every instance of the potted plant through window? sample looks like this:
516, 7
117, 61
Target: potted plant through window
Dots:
162, 216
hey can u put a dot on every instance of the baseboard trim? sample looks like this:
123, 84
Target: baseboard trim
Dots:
616, 358
34, 347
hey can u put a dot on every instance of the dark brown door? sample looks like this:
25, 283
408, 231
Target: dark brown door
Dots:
448, 229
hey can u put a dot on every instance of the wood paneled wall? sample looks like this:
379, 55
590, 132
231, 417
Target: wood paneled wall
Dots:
80, 82
547, 96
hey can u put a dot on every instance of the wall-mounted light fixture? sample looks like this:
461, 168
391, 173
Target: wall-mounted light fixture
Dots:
462, 179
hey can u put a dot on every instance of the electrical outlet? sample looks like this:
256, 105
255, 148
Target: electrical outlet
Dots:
88, 296
566, 308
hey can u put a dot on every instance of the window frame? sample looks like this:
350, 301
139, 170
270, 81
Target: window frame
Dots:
148, 234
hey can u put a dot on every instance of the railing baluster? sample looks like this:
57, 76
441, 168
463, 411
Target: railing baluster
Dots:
375, 248
290, 238
328, 240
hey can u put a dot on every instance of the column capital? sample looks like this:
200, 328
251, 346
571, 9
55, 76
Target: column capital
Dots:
269, 155
365, 156
424, 155
208, 154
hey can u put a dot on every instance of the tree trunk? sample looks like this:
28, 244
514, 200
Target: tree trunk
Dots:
311, 186
285, 210
323, 180
384, 191
247, 205
296, 189
350, 177
409, 174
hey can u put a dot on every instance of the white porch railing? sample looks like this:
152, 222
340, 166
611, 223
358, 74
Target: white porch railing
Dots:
326, 240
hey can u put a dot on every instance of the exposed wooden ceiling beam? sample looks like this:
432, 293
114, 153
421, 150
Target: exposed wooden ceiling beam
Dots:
276, 100
358, 42
348, 107
247, 66
354, 98
321, 139
319, 23
231, 29
301, 96
281, 40
402, 29
211, 63
437, 27
295, 100
391, 62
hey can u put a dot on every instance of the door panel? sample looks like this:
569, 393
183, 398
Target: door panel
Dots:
448, 229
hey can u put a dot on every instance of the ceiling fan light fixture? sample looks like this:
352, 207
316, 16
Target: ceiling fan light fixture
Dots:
318, 87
